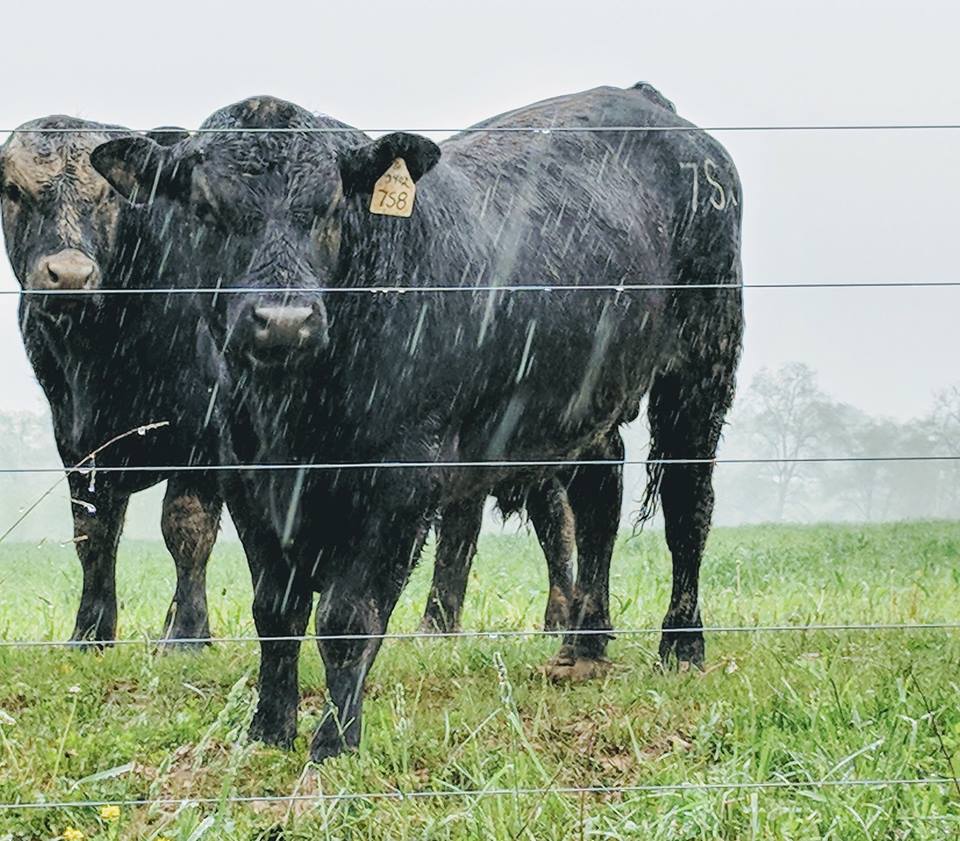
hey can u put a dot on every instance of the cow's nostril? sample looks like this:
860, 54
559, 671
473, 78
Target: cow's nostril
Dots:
54, 277
284, 326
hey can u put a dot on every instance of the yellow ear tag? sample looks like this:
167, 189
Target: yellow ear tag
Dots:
394, 192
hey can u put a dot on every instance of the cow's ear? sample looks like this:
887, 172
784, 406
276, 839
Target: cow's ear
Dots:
139, 169
361, 166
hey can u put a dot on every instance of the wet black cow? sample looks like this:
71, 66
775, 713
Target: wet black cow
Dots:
458, 530
108, 364
453, 377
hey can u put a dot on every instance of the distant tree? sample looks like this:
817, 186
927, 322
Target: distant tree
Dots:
942, 429
788, 416
869, 486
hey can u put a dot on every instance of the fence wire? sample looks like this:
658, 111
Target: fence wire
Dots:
499, 635
523, 287
90, 468
481, 129
398, 794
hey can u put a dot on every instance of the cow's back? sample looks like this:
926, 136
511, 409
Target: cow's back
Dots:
556, 195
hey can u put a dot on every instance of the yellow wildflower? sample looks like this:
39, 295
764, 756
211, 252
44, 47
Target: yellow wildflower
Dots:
109, 813
71, 834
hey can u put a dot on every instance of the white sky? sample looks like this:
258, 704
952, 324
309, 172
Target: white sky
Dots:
818, 206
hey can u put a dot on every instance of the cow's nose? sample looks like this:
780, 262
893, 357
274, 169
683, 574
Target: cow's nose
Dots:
289, 327
68, 270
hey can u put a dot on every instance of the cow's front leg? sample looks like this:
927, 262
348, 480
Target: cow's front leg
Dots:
190, 519
360, 603
282, 599
281, 609
97, 523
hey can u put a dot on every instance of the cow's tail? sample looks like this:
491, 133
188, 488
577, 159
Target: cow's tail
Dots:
649, 503
511, 499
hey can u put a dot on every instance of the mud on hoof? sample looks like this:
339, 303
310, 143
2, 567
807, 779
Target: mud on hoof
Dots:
682, 650
557, 615
572, 666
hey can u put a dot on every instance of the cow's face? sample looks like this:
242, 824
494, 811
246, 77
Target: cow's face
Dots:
60, 217
259, 200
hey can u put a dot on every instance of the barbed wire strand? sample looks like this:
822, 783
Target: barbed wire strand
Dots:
480, 129
526, 287
419, 465
485, 792
499, 635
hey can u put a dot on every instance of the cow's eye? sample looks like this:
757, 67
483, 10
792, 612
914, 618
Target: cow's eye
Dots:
12, 193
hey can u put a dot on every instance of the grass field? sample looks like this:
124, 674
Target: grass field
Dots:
459, 716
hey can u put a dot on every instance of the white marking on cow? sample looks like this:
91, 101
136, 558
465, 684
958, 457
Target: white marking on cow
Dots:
721, 198
719, 201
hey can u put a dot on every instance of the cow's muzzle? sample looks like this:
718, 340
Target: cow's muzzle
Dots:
279, 333
66, 271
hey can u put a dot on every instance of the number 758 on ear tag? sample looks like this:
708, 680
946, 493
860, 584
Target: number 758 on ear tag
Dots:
394, 192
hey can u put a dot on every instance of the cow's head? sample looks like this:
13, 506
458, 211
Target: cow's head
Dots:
60, 218
260, 194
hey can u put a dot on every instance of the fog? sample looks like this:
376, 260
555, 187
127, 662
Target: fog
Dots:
819, 206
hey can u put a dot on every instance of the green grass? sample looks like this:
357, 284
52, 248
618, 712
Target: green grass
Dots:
467, 715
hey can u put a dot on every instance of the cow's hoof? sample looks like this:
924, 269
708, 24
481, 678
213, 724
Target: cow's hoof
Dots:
570, 667
185, 638
681, 651
436, 625
322, 749
278, 734
329, 741
91, 642
188, 645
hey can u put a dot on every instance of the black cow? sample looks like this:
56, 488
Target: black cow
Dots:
108, 364
457, 532
333, 376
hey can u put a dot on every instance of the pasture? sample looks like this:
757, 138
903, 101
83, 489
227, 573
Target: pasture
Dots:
475, 722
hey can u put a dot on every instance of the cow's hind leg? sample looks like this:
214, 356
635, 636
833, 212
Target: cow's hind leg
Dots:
686, 412
191, 517
97, 523
595, 494
456, 547
552, 519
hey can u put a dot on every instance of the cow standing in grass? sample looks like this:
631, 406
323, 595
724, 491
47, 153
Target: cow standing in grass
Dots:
503, 375
108, 364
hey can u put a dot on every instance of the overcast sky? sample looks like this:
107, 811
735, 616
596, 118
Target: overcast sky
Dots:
818, 206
